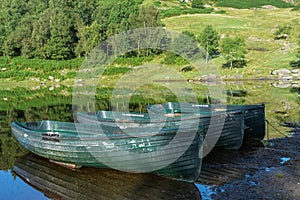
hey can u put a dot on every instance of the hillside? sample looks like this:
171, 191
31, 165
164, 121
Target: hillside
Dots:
257, 27
58, 30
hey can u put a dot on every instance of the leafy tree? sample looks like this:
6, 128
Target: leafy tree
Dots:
185, 45
297, 62
234, 49
197, 4
18, 42
298, 50
209, 40
147, 16
189, 34
85, 10
115, 15
60, 44
41, 34
89, 37
11, 12
282, 32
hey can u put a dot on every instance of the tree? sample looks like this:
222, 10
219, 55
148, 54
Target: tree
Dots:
89, 37
11, 13
85, 10
197, 4
297, 62
18, 42
282, 32
185, 45
209, 40
147, 16
298, 50
62, 40
41, 34
234, 49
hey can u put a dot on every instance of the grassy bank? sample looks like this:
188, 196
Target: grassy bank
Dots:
257, 27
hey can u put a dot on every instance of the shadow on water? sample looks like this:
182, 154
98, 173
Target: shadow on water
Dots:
219, 167
222, 166
57, 182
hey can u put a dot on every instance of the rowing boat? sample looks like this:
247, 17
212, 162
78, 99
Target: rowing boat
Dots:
221, 129
254, 114
171, 152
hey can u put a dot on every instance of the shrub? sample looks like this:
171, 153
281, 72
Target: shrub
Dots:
183, 11
252, 4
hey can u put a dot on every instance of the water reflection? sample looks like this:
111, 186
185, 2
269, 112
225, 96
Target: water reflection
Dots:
60, 183
12, 187
282, 102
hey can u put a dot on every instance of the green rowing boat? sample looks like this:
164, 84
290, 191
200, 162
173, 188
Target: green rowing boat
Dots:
254, 114
58, 182
171, 152
221, 129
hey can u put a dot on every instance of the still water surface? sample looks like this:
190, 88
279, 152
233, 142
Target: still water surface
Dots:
282, 104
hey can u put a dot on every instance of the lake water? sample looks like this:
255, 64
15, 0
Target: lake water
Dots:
36, 178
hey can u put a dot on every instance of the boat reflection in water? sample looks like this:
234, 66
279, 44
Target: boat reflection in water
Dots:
58, 182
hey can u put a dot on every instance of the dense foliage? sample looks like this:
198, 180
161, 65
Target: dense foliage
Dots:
209, 40
282, 31
252, 4
64, 29
183, 11
197, 4
234, 51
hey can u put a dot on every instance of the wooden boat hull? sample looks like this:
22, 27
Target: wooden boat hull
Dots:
89, 183
109, 147
254, 115
229, 134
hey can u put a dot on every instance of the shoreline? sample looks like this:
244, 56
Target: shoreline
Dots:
269, 171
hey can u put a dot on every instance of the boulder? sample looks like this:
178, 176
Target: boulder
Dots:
281, 72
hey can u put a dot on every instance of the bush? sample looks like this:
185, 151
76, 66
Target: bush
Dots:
173, 59
296, 8
132, 61
21, 68
183, 11
236, 64
295, 64
116, 70
197, 4
252, 4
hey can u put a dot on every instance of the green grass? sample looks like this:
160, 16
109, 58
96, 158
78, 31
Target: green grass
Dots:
21, 68
183, 11
257, 28
252, 3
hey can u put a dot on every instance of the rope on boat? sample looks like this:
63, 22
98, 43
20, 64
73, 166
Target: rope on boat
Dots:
269, 124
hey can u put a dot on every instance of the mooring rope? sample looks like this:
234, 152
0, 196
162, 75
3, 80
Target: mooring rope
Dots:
269, 124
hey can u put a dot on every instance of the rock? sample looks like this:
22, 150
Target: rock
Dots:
290, 1
295, 71
281, 72
187, 69
51, 78
209, 78
281, 84
287, 77
268, 7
